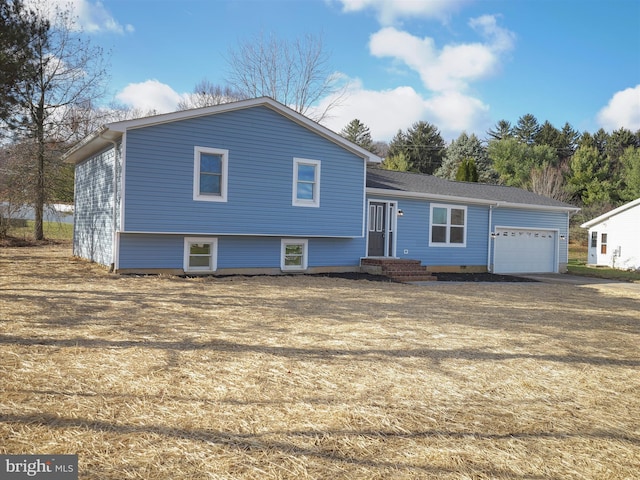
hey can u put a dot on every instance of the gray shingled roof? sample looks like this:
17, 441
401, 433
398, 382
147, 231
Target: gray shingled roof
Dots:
430, 185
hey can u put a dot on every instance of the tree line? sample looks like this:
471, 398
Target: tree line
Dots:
595, 171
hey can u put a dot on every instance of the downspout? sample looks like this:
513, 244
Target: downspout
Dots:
115, 209
489, 269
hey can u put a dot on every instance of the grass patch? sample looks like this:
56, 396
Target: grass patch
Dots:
298, 377
578, 252
576, 267
53, 231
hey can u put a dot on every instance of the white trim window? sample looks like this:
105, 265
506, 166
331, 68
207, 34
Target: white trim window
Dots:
448, 226
294, 254
210, 174
306, 183
200, 254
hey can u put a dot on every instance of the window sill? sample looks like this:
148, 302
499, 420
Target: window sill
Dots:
448, 245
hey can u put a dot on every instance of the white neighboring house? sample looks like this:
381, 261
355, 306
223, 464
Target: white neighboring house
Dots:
614, 238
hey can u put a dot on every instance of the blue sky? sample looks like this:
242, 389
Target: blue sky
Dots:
461, 65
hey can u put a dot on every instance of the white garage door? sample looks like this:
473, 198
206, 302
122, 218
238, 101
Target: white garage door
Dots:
524, 251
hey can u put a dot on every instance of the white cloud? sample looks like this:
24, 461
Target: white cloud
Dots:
454, 113
453, 67
500, 39
623, 110
86, 16
385, 112
389, 12
150, 95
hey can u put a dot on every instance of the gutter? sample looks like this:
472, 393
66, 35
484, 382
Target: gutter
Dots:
85, 141
489, 269
467, 200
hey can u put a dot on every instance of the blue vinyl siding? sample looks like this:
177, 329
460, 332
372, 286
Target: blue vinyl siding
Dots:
262, 145
93, 225
413, 235
142, 251
512, 217
413, 231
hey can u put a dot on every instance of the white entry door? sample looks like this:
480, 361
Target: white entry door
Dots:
520, 250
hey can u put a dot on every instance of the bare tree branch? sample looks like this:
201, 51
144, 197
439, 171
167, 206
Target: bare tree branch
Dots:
206, 94
68, 74
297, 74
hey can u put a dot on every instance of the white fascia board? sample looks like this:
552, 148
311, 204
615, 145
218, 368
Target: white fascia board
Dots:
474, 201
242, 104
91, 145
427, 196
124, 125
610, 214
545, 208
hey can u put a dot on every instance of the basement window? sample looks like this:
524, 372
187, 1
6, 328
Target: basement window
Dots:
293, 254
200, 254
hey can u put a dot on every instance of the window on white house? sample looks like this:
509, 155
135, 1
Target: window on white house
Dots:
603, 244
448, 226
594, 239
293, 254
306, 183
200, 254
210, 174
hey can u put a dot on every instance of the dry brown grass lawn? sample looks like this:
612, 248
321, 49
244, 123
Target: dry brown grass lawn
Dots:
298, 377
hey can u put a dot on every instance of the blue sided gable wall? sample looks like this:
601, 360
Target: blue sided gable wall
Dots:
262, 145
159, 209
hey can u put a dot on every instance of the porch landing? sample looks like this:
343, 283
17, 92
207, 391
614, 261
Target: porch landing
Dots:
400, 270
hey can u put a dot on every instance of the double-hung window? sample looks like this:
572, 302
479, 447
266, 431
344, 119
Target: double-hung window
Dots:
210, 174
293, 254
200, 254
306, 183
448, 226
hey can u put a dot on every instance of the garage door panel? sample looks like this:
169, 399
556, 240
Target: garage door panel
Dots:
524, 251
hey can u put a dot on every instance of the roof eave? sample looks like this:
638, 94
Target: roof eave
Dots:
470, 200
612, 213
91, 144
119, 128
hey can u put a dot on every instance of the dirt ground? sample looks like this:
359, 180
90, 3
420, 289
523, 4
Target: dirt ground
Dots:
158, 377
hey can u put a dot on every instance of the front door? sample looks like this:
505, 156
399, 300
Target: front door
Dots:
382, 225
377, 229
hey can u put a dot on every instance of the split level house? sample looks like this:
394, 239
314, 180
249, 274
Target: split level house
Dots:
253, 187
614, 238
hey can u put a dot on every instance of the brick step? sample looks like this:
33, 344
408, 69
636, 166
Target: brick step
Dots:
400, 270
389, 261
